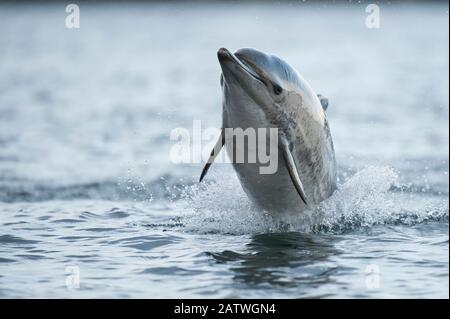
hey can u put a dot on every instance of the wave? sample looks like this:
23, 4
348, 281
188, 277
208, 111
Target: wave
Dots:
366, 199
166, 187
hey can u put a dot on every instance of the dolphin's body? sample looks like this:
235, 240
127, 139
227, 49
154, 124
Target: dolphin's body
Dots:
263, 91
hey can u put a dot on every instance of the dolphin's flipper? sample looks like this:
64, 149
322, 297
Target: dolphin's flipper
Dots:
215, 151
323, 101
291, 167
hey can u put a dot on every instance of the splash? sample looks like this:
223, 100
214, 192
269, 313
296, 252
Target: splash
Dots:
364, 200
223, 207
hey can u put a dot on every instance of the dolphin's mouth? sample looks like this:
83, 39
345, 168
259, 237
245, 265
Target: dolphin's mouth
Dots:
223, 55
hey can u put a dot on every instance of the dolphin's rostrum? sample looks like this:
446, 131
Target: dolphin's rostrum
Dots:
263, 91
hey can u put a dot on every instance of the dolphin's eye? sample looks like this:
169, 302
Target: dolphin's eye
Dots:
277, 89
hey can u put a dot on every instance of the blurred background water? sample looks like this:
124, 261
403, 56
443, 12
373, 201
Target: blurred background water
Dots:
86, 180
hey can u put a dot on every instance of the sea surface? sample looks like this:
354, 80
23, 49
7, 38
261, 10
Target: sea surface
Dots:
92, 204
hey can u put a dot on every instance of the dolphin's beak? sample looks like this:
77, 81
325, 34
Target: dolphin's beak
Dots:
232, 65
223, 54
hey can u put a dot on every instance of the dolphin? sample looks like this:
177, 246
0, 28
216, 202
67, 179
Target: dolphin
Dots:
263, 91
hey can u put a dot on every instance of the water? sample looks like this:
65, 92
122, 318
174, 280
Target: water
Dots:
86, 184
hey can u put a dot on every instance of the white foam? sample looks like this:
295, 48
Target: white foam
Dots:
363, 200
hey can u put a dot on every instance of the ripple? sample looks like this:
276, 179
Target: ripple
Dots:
68, 221
168, 271
7, 260
118, 214
99, 229
146, 243
9, 239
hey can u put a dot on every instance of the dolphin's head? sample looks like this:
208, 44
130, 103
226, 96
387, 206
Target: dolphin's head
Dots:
268, 81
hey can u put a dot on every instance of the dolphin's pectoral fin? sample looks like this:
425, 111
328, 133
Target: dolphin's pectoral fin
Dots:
292, 168
215, 151
323, 101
